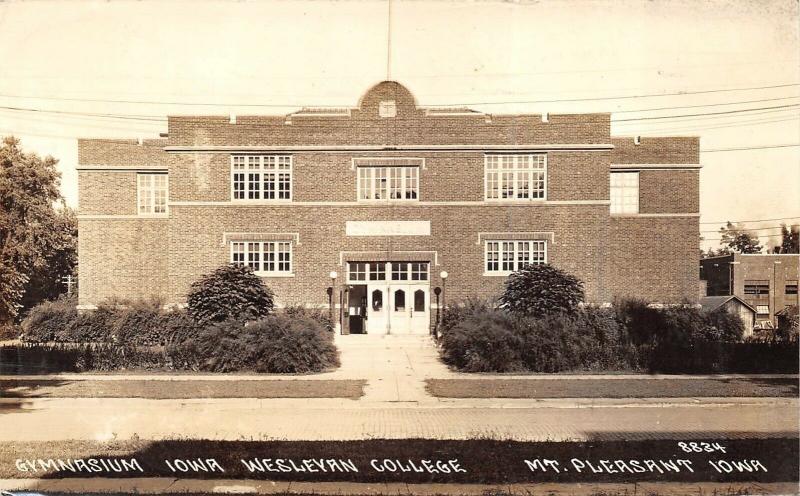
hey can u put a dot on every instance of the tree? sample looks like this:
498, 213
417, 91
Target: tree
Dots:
539, 290
739, 240
790, 239
61, 261
38, 237
232, 292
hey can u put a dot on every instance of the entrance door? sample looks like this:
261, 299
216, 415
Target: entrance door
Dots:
409, 313
377, 308
395, 297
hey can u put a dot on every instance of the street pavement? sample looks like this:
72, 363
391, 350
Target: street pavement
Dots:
395, 405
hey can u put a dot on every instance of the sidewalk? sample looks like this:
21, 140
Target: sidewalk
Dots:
297, 419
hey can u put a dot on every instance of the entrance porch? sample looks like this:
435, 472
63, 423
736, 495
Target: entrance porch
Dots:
386, 298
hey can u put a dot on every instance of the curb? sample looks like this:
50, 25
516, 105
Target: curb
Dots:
336, 375
245, 486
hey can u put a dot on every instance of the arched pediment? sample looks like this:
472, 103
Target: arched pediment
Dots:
388, 99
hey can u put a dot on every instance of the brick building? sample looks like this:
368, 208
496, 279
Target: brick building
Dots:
390, 196
767, 282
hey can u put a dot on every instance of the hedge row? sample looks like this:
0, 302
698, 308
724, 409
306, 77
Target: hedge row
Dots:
479, 337
133, 323
142, 335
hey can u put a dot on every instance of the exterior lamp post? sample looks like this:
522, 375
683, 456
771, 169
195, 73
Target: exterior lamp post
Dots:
333, 276
773, 289
437, 291
443, 274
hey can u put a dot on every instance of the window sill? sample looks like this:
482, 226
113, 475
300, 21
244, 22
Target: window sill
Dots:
384, 202
497, 274
520, 201
153, 216
632, 214
274, 274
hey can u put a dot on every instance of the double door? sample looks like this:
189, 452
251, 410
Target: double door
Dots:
398, 308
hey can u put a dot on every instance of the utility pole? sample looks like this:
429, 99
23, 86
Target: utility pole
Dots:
389, 44
68, 281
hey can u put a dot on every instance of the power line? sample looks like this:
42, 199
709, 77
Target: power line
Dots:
758, 236
742, 102
699, 128
725, 112
749, 148
756, 220
717, 231
621, 97
139, 117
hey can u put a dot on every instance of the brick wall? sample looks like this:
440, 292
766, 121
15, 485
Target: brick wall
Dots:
121, 258
107, 193
646, 262
648, 257
763, 268
119, 152
656, 150
669, 191
196, 248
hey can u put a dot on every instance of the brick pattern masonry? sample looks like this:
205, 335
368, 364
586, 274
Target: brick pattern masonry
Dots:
651, 255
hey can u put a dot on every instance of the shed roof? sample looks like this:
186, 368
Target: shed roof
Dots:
710, 303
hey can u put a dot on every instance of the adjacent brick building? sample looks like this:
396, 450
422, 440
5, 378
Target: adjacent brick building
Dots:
390, 196
767, 282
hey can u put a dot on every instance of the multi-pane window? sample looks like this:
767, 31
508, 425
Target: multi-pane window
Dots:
377, 271
791, 288
152, 193
515, 177
756, 288
399, 271
264, 257
261, 177
419, 271
388, 183
358, 271
503, 257
624, 192
762, 309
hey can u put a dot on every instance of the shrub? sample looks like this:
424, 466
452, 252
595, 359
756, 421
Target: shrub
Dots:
146, 323
232, 292
93, 327
722, 325
475, 339
589, 339
539, 290
321, 316
454, 314
50, 321
277, 344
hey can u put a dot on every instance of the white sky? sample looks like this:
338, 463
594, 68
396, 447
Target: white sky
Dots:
328, 53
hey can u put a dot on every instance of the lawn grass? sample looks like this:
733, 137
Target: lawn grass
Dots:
616, 388
182, 389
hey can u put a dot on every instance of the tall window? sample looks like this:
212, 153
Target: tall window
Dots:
261, 177
388, 183
624, 192
268, 258
152, 193
504, 257
515, 177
